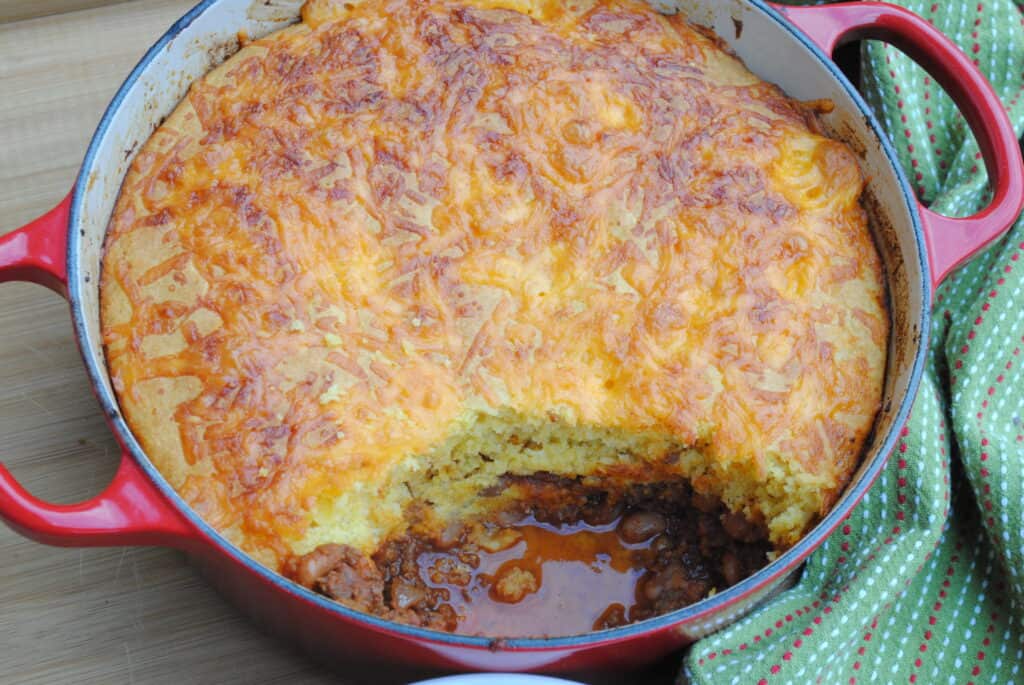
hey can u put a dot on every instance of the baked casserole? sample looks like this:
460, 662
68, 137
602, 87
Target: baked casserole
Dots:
412, 277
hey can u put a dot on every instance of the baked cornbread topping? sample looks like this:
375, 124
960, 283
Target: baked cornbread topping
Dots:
380, 262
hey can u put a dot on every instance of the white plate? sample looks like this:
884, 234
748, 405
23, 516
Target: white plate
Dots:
496, 679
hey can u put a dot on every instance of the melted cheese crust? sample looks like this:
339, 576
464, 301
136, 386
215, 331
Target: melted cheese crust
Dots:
362, 227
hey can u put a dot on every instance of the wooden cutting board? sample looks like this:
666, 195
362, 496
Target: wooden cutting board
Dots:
104, 616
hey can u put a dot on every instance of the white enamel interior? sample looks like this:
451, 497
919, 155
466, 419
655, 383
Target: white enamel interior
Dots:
768, 48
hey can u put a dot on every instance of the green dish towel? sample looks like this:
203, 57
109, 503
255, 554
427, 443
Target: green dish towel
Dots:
924, 583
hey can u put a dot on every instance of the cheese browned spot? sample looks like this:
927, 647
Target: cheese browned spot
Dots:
385, 257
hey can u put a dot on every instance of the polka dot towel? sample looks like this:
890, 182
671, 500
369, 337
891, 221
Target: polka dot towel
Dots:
924, 583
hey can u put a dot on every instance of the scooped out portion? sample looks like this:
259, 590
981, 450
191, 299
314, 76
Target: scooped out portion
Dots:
565, 557
385, 271
533, 528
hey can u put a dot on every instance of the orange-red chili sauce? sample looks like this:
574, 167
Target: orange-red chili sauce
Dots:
548, 576
568, 560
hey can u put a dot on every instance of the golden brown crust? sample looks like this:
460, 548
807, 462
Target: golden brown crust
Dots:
359, 227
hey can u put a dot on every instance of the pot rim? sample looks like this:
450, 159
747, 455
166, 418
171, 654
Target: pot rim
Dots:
707, 608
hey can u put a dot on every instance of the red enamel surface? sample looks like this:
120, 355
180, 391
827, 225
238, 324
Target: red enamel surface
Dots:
36, 252
131, 511
949, 241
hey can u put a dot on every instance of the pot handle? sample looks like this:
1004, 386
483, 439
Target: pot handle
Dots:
949, 241
35, 252
131, 511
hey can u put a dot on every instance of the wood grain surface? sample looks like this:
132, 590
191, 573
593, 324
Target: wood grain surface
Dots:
14, 10
97, 615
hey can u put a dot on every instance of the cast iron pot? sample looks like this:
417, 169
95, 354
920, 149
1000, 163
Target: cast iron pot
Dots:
790, 47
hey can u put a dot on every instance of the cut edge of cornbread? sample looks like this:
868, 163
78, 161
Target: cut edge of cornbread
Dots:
460, 479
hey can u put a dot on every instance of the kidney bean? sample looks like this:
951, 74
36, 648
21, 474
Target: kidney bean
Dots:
640, 526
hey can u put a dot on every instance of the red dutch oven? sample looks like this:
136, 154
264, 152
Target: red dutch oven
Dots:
788, 46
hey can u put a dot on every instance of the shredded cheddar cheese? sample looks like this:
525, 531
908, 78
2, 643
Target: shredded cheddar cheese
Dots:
394, 252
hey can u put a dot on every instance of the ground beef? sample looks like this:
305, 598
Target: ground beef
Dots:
684, 544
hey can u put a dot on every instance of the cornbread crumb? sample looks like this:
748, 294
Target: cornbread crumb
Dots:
514, 584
